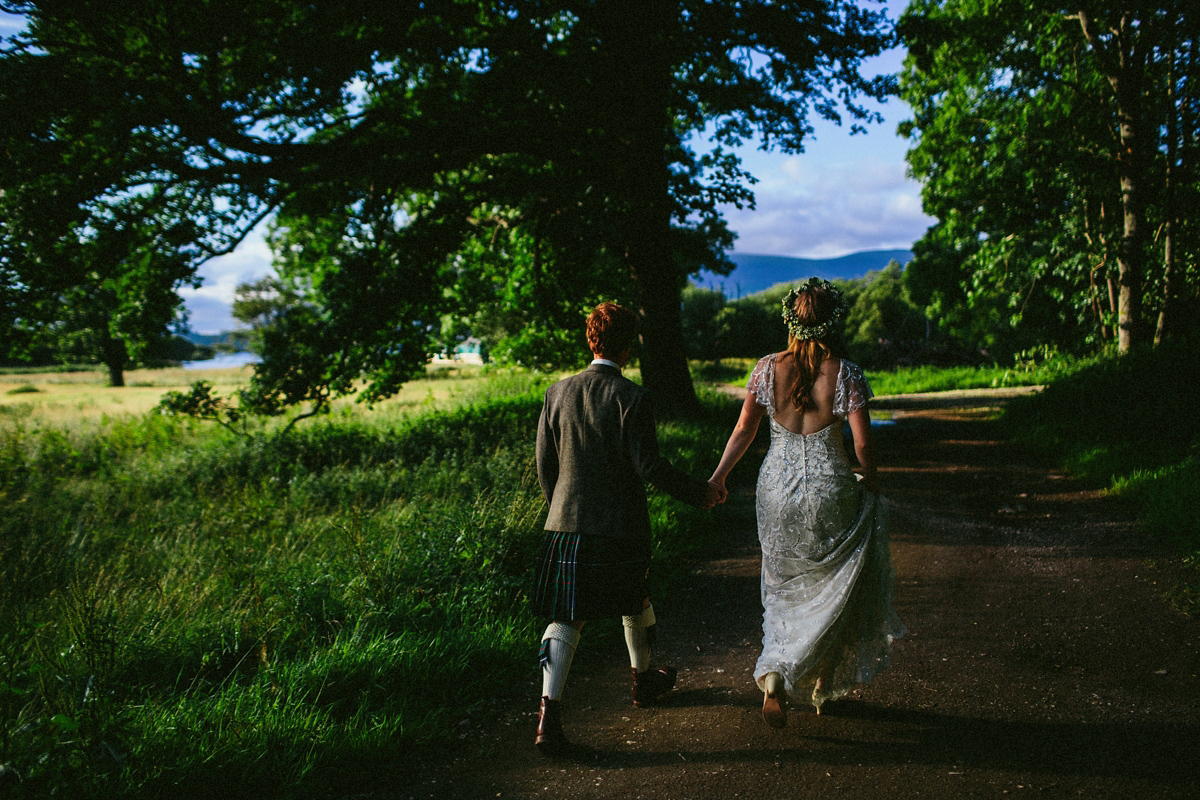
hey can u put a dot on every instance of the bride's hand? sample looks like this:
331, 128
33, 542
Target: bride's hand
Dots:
716, 492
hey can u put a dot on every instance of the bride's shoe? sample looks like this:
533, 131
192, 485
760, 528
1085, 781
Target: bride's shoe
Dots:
817, 699
774, 711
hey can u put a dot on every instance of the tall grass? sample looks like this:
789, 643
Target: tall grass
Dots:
186, 612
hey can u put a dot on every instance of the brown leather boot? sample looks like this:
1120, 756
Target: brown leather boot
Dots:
652, 684
550, 739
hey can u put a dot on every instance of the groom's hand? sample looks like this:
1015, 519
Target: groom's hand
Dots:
713, 494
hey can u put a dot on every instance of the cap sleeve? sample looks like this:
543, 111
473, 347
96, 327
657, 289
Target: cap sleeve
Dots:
852, 391
762, 383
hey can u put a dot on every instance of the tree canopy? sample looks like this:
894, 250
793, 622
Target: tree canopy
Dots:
426, 162
1054, 142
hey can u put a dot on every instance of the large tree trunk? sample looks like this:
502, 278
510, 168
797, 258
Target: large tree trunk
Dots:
644, 39
1131, 256
657, 282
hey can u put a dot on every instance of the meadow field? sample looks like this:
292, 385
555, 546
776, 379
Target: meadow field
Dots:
83, 396
189, 612
182, 608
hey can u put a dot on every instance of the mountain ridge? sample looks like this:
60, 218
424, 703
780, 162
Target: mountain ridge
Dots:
755, 271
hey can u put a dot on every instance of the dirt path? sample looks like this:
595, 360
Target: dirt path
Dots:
1041, 661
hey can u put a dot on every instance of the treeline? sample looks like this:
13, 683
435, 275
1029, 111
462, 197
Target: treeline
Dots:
81, 348
885, 328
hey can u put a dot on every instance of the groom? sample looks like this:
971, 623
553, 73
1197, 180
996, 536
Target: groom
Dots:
596, 449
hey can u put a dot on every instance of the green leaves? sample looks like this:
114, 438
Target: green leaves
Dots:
1024, 143
436, 165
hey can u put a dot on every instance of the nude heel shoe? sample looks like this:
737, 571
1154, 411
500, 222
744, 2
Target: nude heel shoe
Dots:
774, 710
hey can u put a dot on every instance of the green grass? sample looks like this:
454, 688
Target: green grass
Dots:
56, 368
910, 380
1031, 370
186, 612
1034, 368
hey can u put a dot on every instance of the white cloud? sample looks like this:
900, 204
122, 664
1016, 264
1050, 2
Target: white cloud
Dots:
843, 194
209, 307
822, 210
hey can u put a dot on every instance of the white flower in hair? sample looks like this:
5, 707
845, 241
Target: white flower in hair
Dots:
821, 329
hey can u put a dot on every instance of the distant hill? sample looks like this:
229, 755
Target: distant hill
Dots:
757, 272
238, 341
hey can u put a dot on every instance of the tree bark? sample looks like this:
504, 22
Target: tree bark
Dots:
115, 356
1166, 314
1122, 62
644, 38
1181, 132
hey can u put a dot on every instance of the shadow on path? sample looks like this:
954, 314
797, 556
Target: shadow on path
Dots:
1040, 656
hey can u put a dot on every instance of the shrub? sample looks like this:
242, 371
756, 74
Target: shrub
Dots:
1130, 424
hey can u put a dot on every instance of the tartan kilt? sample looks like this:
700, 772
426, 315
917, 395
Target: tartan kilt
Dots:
582, 576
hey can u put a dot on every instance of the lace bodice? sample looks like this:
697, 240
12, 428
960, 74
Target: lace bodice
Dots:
809, 477
850, 393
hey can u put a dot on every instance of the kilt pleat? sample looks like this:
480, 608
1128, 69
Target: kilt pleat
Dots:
581, 576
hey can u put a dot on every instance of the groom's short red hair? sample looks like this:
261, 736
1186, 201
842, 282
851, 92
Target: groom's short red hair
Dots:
611, 329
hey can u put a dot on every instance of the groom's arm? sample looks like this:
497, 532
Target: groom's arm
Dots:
547, 455
652, 466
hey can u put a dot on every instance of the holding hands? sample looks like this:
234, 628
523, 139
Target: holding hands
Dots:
714, 494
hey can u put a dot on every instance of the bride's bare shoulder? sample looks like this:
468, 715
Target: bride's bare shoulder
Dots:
783, 361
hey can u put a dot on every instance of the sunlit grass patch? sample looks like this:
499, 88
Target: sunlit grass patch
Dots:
1167, 497
903, 380
81, 399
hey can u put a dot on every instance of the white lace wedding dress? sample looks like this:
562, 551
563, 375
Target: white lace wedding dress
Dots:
827, 576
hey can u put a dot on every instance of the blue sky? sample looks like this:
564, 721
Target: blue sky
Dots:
844, 194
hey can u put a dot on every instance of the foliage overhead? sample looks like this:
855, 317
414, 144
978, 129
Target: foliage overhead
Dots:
426, 161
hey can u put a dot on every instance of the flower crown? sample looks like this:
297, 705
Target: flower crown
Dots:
820, 330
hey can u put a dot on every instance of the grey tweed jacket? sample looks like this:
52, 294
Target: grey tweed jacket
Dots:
596, 450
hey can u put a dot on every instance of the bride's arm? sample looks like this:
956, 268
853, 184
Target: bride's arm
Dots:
739, 441
860, 427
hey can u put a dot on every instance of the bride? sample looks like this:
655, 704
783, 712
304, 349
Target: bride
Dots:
827, 576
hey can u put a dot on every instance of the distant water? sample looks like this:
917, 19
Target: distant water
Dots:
223, 361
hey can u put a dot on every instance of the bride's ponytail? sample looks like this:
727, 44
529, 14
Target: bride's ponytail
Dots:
809, 354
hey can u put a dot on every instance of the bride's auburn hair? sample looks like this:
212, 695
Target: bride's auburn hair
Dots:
813, 307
